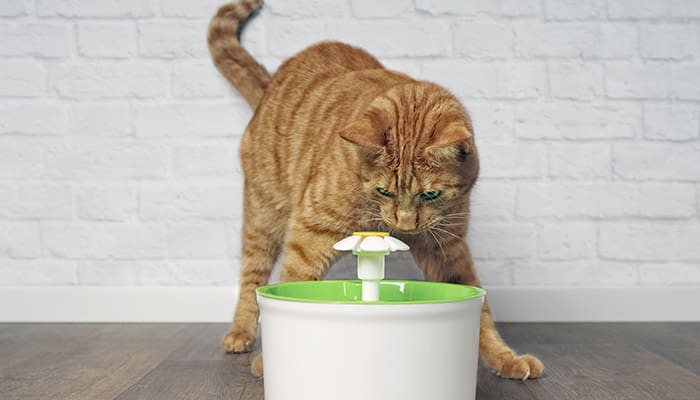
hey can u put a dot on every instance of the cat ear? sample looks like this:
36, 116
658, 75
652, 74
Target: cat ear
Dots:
365, 133
453, 133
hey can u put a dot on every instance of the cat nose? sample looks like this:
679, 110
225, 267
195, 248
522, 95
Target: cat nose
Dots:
405, 220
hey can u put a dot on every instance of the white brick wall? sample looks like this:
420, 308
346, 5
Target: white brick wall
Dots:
119, 140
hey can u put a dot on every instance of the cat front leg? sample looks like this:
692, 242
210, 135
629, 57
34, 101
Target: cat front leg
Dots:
262, 236
451, 261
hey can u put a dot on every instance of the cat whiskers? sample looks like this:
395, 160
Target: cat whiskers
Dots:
439, 229
442, 249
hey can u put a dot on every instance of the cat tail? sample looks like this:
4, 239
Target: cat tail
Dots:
232, 60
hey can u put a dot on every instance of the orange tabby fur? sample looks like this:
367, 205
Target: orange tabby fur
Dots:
330, 128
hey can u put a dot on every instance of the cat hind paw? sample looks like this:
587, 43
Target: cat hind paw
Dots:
256, 366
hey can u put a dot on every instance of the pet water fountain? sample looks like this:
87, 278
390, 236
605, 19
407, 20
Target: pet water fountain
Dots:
370, 339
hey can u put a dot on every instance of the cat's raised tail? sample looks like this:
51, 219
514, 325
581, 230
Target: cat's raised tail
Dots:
232, 60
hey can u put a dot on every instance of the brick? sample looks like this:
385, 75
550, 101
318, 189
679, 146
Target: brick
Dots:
33, 118
51, 40
503, 8
650, 241
668, 42
22, 79
100, 119
107, 159
287, 38
501, 241
38, 272
307, 8
188, 272
36, 200
191, 201
556, 40
637, 82
616, 41
20, 159
104, 240
566, 241
496, 273
580, 160
382, 9
601, 200
408, 66
576, 121
194, 79
499, 80
12, 8
235, 243
492, 121
671, 122
666, 200
395, 39
20, 240
576, 274
684, 9
483, 40
637, 9
687, 241
512, 160
686, 83
657, 161
669, 274
107, 39
96, 8
108, 273
653, 9
575, 81
191, 119
107, 202
568, 199
23, 240
491, 199
110, 80
191, 9
563, 10
173, 39
197, 241
218, 161
4, 237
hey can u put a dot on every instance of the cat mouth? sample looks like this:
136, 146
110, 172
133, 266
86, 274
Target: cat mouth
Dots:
410, 232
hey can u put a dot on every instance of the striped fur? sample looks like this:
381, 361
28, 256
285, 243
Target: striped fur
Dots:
232, 60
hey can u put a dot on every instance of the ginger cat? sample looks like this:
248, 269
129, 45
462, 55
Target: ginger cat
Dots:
339, 144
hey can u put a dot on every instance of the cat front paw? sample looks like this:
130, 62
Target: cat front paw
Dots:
238, 341
521, 367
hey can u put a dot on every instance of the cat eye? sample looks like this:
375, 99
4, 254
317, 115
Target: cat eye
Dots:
430, 195
385, 192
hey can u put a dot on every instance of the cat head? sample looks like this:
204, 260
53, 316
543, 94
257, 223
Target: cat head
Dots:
418, 156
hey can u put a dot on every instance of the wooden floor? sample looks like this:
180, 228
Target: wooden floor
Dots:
184, 361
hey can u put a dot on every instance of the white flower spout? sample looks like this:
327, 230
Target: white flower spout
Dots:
370, 249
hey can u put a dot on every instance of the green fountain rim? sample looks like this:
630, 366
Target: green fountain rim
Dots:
395, 292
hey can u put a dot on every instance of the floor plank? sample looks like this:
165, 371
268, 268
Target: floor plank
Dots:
637, 361
81, 361
610, 371
193, 379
